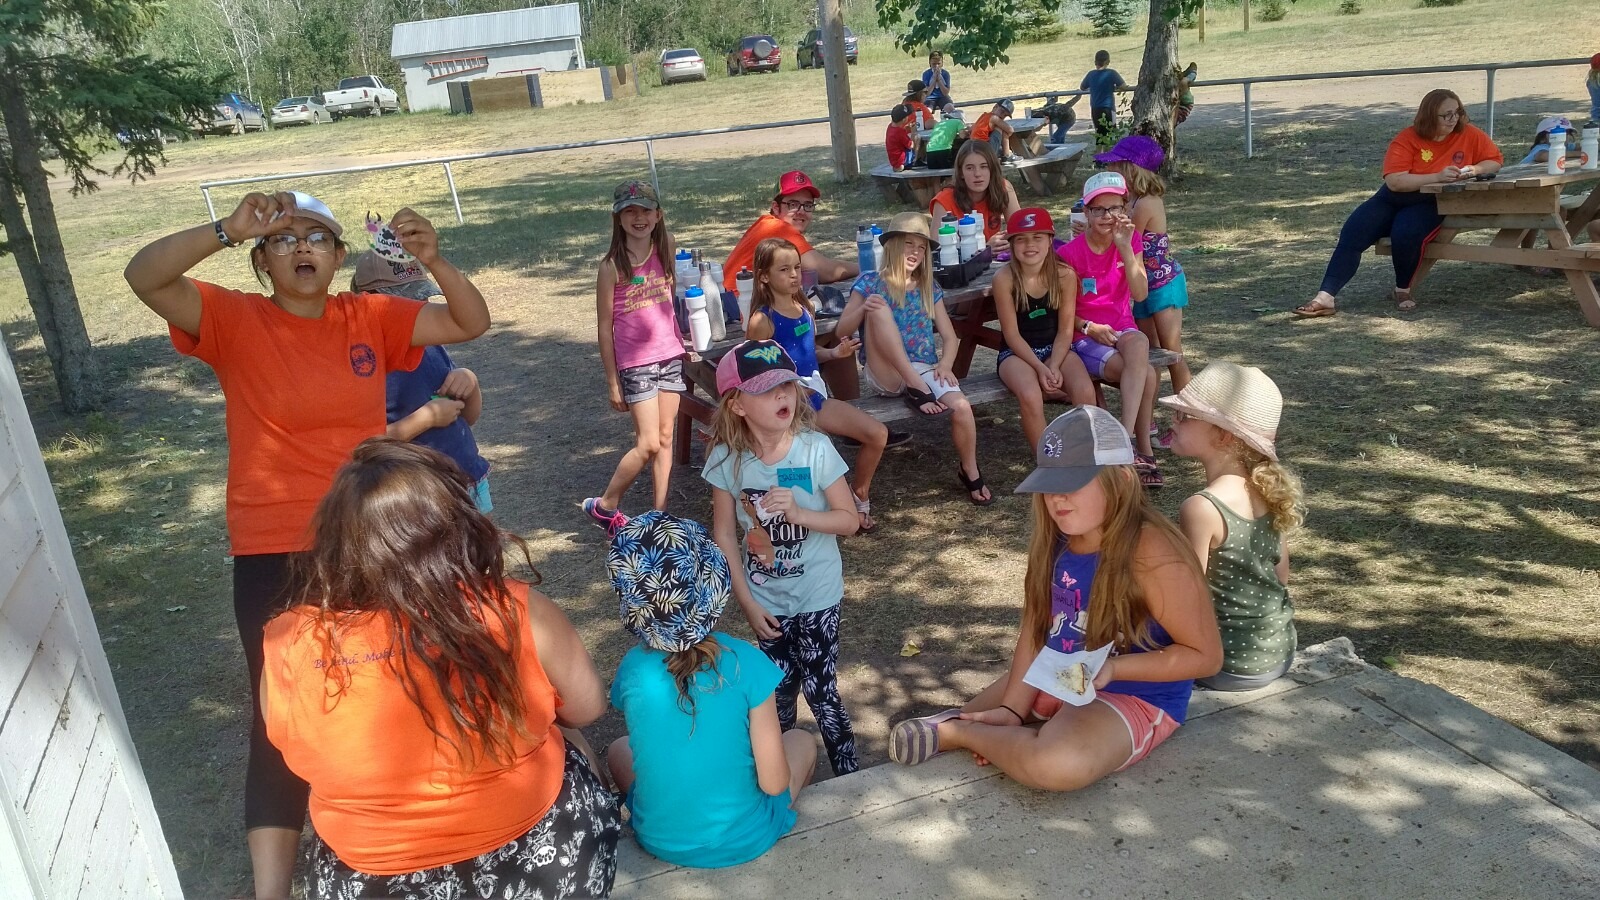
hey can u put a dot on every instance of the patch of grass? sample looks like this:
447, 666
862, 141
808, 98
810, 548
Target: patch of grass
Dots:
1453, 493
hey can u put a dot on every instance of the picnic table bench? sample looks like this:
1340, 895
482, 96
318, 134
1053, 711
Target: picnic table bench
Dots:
1045, 174
1521, 202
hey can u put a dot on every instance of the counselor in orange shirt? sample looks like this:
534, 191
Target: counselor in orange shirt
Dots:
303, 374
1440, 146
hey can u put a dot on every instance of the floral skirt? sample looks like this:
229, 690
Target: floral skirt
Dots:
571, 852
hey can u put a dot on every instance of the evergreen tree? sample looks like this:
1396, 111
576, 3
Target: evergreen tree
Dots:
1109, 17
72, 79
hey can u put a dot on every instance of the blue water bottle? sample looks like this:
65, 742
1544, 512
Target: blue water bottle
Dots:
864, 257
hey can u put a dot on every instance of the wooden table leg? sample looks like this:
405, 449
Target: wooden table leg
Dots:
1445, 236
1583, 288
1035, 180
1583, 215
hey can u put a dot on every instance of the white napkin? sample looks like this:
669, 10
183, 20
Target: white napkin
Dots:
1049, 673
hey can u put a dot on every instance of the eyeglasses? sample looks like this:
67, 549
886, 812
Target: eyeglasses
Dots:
797, 206
1450, 116
1095, 212
285, 244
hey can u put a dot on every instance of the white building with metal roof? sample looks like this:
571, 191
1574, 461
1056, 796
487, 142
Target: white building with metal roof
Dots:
435, 52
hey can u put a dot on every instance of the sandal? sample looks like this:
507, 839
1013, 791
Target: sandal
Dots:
1149, 473
974, 485
1403, 301
916, 400
864, 510
1314, 310
916, 741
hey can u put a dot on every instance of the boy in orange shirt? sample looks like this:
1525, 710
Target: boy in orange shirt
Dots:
993, 127
897, 141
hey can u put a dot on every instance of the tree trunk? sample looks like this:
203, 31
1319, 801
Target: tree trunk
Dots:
836, 73
1155, 97
50, 290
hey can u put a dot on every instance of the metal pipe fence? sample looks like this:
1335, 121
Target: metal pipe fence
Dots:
1489, 70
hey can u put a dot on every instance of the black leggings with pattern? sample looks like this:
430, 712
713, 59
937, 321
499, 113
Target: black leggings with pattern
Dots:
808, 654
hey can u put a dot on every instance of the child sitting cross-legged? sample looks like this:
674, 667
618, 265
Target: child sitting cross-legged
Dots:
708, 776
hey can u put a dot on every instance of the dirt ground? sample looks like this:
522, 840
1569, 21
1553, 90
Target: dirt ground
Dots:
1447, 455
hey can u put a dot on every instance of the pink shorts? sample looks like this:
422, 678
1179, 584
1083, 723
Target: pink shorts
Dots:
1147, 725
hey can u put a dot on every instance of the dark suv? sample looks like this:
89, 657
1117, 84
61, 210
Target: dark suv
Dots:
809, 54
754, 53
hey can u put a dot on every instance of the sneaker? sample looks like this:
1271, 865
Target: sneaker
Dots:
1163, 440
611, 520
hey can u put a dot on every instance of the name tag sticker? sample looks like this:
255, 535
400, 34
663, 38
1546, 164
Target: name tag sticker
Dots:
795, 479
1088, 285
802, 328
1037, 313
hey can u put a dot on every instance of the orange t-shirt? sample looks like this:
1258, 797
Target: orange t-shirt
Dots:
301, 394
1410, 152
983, 127
918, 107
947, 199
386, 795
744, 252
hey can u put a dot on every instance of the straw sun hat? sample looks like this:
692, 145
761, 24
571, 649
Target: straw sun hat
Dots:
912, 223
1241, 400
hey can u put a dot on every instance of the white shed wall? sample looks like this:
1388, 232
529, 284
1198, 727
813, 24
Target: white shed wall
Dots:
421, 93
76, 820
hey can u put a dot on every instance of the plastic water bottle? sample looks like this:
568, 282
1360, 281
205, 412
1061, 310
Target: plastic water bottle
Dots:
746, 282
877, 249
699, 322
711, 290
864, 255
1589, 147
967, 231
1556, 159
949, 254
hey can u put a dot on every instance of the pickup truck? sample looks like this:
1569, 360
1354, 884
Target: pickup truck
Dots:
361, 95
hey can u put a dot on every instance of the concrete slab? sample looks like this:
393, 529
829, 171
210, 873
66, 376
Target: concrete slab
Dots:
1340, 781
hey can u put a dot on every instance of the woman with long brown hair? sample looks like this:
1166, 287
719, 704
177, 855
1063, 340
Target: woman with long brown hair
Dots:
980, 189
1440, 146
1104, 568
420, 690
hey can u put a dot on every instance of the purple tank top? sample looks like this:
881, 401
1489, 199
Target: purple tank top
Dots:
642, 327
1069, 619
1158, 262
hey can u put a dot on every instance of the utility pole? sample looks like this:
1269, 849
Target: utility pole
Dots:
1202, 22
836, 72
1246, 5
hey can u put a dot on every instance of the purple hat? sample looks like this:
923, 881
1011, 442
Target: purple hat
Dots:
755, 367
1138, 149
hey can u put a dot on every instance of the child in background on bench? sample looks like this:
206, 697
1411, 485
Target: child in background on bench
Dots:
1104, 567
979, 188
916, 91
640, 345
1227, 418
783, 483
705, 770
1137, 159
1036, 298
1593, 84
897, 140
993, 129
944, 139
1109, 261
780, 311
898, 309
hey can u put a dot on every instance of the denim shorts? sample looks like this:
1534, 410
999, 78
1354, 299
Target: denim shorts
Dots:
1172, 295
1043, 353
640, 383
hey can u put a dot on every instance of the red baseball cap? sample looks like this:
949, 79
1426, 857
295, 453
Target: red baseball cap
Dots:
794, 183
1031, 219
1594, 61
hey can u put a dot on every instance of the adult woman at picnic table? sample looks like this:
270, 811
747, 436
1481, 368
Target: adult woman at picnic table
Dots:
1440, 146
303, 373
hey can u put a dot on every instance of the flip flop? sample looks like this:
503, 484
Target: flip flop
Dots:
915, 741
916, 400
1403, 300
973, 485
1315, 310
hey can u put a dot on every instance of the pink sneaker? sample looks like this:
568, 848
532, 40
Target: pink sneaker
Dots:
611, 520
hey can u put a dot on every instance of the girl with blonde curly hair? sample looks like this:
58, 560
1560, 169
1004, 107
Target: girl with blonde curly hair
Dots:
1227, 418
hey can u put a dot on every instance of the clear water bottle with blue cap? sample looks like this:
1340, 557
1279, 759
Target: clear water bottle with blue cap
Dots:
864, 256
877, 248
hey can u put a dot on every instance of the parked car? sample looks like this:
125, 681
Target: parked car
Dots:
809, 54
363, 95
233, 114
300, 111
682, 65
126, 136
755, 53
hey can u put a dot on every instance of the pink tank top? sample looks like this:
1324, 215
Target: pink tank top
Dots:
642, 327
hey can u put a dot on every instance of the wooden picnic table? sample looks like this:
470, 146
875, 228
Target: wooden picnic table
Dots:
1027, 137
1523, 201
